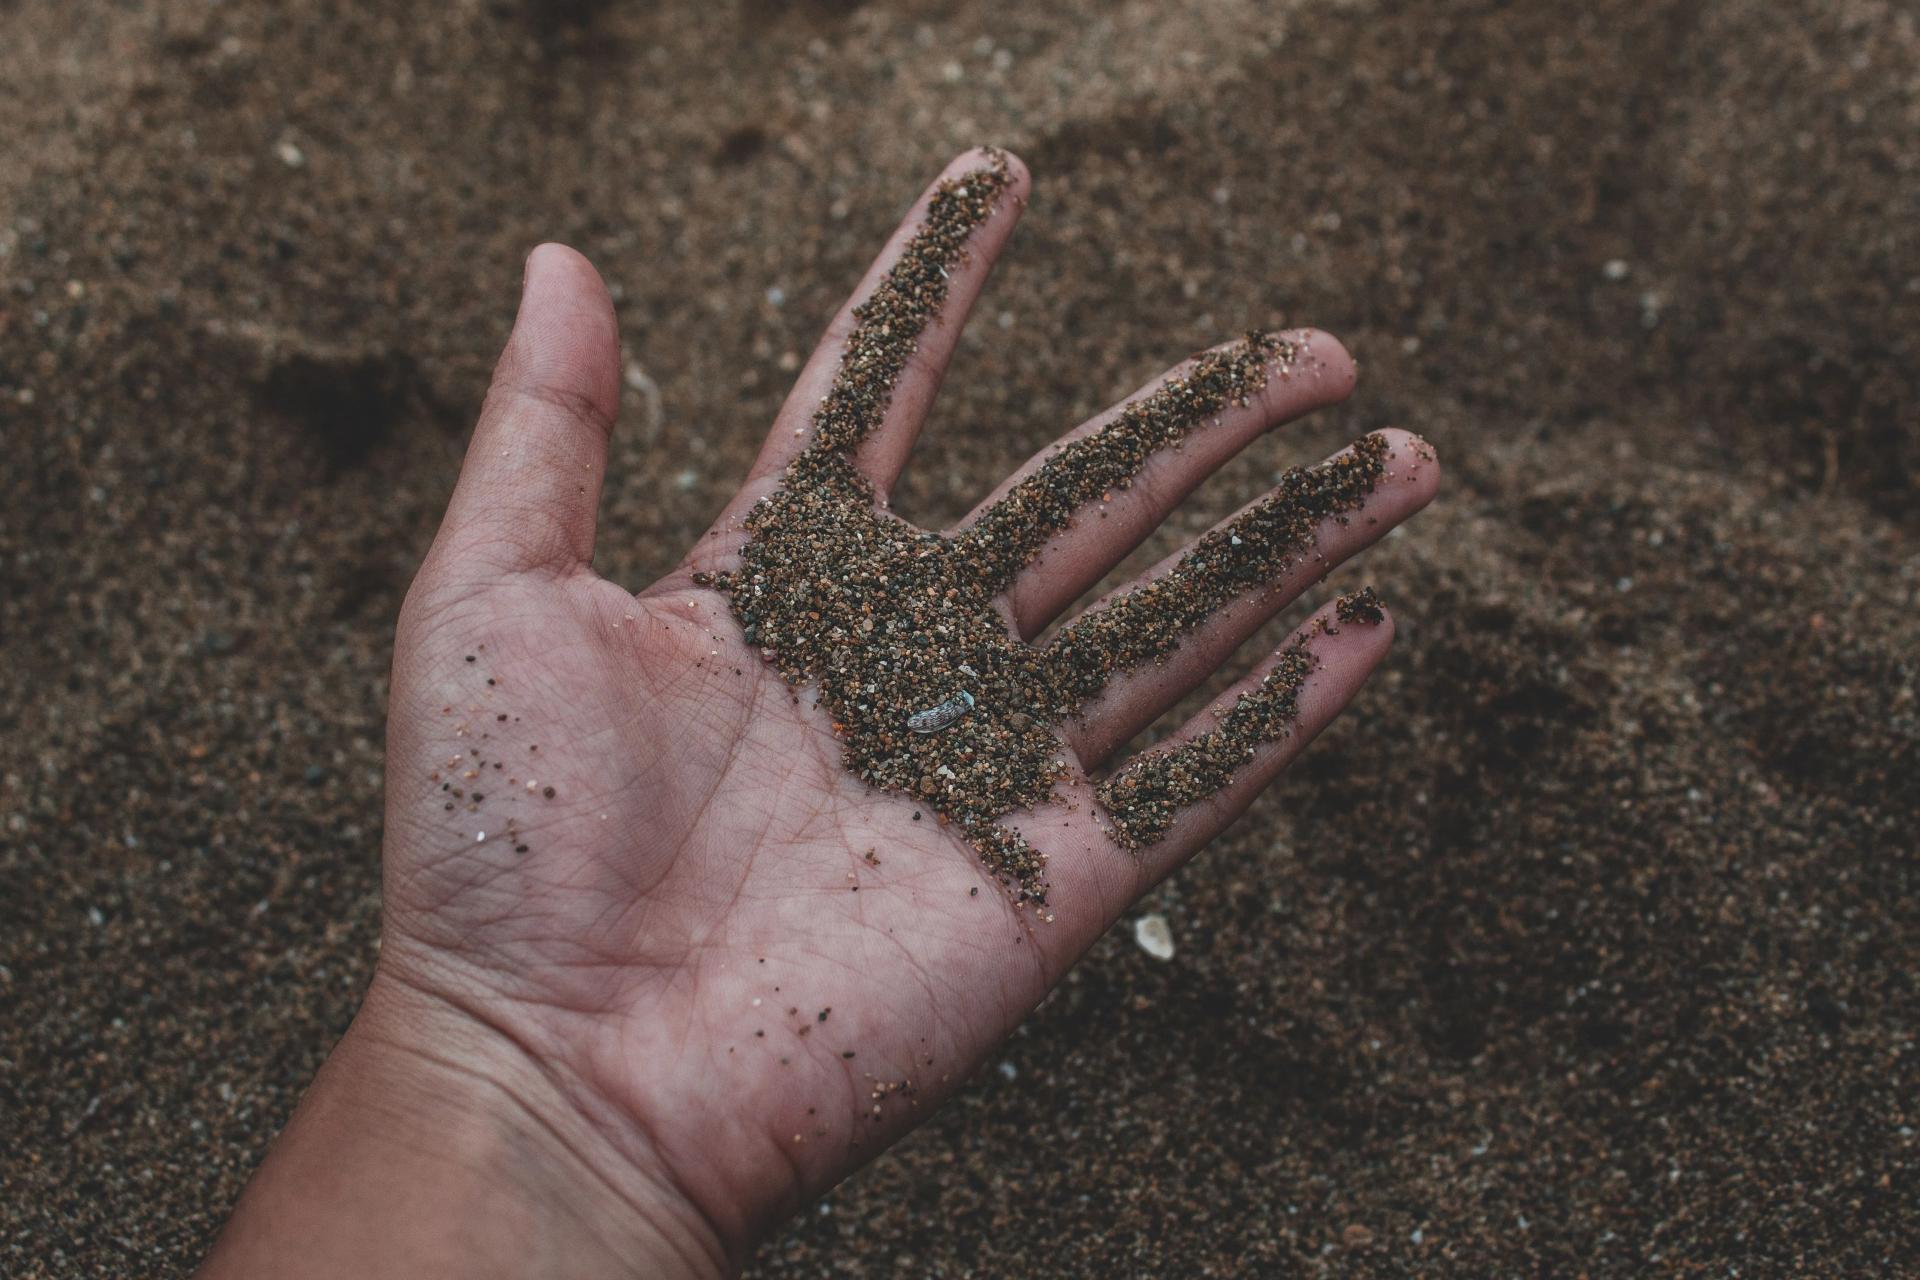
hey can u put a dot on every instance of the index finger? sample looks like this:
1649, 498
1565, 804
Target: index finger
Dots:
895, 277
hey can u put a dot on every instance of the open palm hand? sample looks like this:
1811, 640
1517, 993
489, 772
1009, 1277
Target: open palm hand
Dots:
630, 881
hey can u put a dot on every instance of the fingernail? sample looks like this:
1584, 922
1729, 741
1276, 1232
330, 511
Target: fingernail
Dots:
526, 271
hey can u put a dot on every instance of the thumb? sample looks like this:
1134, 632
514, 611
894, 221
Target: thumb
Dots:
529, 490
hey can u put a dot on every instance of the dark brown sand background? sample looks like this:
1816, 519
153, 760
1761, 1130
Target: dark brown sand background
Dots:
1587, 942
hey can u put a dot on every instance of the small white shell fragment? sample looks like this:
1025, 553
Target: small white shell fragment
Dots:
1154, 937
934, 719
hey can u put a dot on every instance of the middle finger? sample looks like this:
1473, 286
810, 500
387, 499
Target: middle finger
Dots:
1078, 507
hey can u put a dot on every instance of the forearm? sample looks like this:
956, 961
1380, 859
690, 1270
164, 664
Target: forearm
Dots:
399, 1163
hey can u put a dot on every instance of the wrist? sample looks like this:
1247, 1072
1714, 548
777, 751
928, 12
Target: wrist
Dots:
431, 1145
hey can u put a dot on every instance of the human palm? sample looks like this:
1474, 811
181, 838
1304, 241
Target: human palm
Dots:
626, 853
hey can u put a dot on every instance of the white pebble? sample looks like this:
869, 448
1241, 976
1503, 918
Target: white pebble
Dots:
1154, 936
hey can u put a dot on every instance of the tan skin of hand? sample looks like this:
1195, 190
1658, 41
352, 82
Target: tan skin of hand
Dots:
649, 1015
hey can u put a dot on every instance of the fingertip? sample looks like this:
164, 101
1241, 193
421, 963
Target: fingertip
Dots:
1413, 468
1320, 356
1382, 630
1406, 442
1356, 627
555, 266
1019, 177
1345, 652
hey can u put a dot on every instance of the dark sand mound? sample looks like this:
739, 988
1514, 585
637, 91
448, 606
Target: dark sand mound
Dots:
1587, 942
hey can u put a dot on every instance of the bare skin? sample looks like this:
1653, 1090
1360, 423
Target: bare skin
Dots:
711, 973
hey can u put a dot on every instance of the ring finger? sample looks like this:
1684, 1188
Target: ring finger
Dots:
1135, 697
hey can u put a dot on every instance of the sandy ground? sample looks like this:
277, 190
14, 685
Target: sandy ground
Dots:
1586, 943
